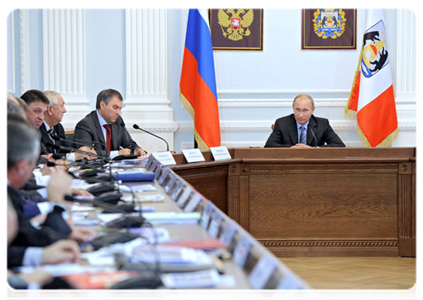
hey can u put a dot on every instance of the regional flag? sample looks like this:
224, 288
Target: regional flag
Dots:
198, 84
372, 100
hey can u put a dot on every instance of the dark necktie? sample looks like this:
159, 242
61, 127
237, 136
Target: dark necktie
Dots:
108, 136
303, 135
50, 135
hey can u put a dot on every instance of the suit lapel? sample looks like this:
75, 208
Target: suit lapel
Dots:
98, 129
310, 137
115, 134
293, 132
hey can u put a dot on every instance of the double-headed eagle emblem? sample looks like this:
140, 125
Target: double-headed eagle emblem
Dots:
234, 24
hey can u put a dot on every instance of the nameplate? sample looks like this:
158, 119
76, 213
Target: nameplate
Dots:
193, 203
241, 251
165, 158
170, 183
149, 163
215, 224
193, 155
185, 196
262, 271
207, 213
228, 233
163, 176
177, 190
158, 170
288, 288
220, 153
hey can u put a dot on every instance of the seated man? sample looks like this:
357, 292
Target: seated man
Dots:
22, 153
302, 129
104, 127
52, 131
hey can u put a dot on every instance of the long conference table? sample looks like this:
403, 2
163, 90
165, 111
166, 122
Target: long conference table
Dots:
234, 252
315, 202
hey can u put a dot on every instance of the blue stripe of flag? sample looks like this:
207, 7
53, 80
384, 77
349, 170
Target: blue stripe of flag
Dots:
198, 42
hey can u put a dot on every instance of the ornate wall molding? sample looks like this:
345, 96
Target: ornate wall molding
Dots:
24, 49
346, 244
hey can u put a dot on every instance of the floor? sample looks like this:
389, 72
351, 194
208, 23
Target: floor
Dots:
355, 272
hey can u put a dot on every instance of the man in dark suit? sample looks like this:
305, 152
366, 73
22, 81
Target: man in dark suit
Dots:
104, 127
302, 129
52, 131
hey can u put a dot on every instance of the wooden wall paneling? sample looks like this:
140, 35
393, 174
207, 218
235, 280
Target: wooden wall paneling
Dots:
234, 172
342, 206
406, 210
211, 182
415, 203
244, 197
327, 202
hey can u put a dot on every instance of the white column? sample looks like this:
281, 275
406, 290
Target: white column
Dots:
405, 77
24, 49
147, 103
64, 60
406, 54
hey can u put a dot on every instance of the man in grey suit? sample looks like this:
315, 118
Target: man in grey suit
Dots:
104, 128
302, 129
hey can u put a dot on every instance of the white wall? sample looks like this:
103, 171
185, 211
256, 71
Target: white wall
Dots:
139, 53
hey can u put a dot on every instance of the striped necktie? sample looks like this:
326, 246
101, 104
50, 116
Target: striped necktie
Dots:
303, 135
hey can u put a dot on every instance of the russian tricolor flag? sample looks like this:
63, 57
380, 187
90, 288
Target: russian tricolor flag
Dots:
198, 82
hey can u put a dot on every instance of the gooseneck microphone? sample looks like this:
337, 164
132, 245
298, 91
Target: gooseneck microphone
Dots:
135, 126
57, 147
314, 136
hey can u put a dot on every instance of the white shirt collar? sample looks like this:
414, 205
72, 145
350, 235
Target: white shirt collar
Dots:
100, 119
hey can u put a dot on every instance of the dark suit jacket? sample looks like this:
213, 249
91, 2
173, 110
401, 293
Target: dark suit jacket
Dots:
285, 133
53, 229
88, 130
14, 256
45, 139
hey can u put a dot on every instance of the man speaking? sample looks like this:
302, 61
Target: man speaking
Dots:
302, 129
105, 129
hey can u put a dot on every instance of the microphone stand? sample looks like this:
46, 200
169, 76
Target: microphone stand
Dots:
135, 126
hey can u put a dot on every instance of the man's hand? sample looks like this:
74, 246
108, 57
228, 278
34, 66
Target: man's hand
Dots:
81, 192
140, 152
39, 276
79, 156
58, 187
45, 170
60, 252
81, 234
301, 146
124, 151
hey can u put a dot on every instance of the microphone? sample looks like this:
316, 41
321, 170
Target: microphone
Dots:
314, 136
49, 144
85, 143
123, 222
135, 126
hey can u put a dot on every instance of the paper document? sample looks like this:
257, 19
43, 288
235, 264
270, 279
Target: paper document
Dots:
170, 255
198, 279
